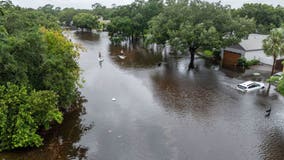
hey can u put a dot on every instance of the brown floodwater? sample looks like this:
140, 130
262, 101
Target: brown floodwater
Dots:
162, 111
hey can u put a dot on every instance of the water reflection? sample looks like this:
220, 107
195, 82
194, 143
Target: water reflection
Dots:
135, 57
161, 112
206, 118
101, 64
87, 36
61, 141
184, 91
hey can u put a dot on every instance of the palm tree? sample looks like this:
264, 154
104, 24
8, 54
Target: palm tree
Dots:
273, 46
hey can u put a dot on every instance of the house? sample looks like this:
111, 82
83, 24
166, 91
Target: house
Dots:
250, 48
101, 20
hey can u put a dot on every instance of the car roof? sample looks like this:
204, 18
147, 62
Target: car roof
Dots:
278, 74
247, 83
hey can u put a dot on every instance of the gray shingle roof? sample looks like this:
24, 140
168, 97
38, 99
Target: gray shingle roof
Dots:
254, 42
237, 46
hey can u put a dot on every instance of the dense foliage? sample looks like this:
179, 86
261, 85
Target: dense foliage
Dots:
66, 16
38, 74
85, 21
273, 46
198, 25
22, 112
266, 16
38, 69
130, 22
280, 86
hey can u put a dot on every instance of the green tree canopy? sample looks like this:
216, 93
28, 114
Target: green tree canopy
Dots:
22, 113
66, 16
266, 16
198, 25
102, 11
134, 18
38, 75
50, 9
85, 21
273, 46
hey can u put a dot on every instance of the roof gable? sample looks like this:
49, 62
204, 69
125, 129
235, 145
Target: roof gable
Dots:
254, 42
237, 46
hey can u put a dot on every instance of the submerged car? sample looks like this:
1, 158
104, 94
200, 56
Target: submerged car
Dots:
276, 78
278, 75
249, 86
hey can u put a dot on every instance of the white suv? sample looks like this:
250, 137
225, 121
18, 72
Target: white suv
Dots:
250, 86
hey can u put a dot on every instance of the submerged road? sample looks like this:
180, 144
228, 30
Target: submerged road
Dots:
161, 112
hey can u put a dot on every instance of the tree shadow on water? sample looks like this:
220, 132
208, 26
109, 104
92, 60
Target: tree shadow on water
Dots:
135, 57
89, 36
185, 93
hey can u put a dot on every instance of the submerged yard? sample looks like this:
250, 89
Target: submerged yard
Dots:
162, 112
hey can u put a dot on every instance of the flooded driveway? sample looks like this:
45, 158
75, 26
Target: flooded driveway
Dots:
162, 111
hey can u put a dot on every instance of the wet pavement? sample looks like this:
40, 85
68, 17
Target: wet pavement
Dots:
162, 111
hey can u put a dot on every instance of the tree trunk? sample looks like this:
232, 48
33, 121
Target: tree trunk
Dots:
132, 38
192, 54
273, 66
272, 72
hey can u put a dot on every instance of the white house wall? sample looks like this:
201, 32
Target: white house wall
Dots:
259, 55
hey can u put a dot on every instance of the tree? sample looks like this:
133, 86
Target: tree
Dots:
50, 9
23, 20
280, 86
85, 21
120, 27
66, 16
38, 75
5, 4
198, 25
59, 70
193, 37
273, 46
266, 16
136, 16
1, 12
102, 11
22, 113
34, 56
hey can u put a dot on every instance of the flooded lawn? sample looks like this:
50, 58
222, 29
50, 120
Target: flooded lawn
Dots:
162, 111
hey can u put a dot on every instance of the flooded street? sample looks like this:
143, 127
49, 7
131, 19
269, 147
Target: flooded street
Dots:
161, 112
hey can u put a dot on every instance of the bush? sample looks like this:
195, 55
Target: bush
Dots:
280, 87
208, 54
242, 62
252, 62
22, 113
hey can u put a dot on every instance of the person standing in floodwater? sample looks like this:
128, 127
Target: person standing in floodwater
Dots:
121, 52
100, 55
